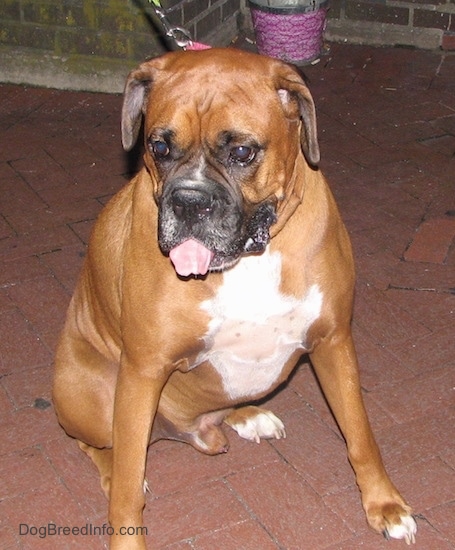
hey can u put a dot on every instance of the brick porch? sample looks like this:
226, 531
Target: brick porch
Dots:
387, 131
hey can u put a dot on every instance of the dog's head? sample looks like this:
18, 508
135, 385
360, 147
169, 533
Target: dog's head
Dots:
225, 134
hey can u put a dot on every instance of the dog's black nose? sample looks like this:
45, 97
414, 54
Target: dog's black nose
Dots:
191, 204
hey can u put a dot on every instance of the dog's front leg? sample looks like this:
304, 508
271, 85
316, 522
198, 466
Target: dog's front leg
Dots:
136, 402
335, 362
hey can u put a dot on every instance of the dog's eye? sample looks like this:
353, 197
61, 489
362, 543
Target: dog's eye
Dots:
242, 154
160, 148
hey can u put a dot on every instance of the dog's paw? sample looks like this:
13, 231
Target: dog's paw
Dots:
261, 424
393, 520
406, 529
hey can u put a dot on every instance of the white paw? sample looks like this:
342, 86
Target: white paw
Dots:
264, 425
406, 530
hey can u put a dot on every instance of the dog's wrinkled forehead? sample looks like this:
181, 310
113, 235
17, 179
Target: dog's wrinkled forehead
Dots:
200, 104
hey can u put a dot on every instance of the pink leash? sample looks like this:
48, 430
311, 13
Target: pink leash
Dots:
196, 46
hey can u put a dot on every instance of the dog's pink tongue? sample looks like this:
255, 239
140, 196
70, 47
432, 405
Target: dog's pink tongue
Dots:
191, 258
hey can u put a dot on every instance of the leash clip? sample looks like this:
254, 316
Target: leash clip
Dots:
180, 36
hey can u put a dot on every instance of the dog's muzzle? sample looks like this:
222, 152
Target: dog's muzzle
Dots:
205, 227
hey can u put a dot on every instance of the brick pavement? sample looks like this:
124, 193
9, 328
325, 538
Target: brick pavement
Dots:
387, 131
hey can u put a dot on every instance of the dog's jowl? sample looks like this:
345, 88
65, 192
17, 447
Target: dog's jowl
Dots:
208, 276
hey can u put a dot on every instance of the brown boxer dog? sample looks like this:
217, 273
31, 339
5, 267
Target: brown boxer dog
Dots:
207, 277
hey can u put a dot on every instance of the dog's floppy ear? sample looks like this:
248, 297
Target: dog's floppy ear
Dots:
291, 90
137, 87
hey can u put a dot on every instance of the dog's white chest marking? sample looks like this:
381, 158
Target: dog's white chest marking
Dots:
254, 328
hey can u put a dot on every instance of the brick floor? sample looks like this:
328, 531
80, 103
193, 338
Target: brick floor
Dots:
387, 133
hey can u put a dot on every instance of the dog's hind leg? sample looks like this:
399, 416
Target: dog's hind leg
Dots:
204, 433
83, 391
255, 423
102, 459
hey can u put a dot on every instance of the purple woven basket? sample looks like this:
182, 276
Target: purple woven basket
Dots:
293, 33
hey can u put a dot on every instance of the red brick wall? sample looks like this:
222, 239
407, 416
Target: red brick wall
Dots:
106, 28
120, 29
412, 20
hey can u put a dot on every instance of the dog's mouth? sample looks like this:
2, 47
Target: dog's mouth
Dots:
191, 257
